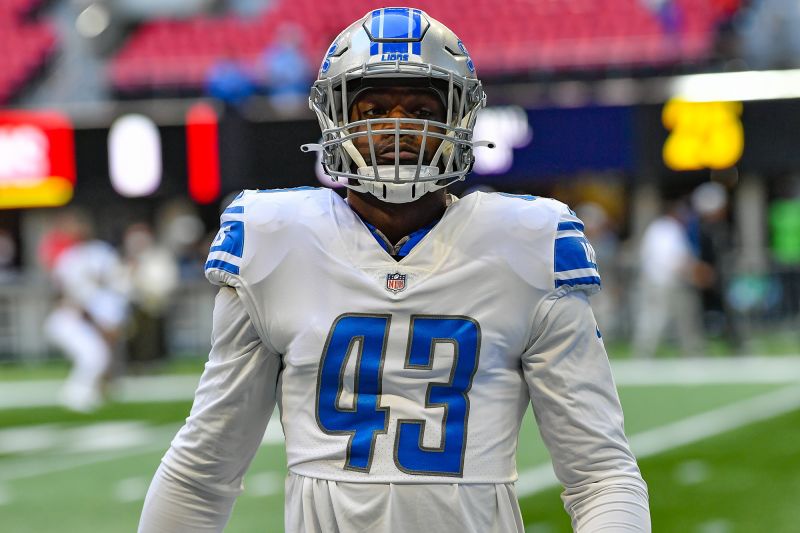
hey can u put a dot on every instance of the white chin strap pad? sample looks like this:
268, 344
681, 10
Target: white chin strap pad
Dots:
402, 191
397, 193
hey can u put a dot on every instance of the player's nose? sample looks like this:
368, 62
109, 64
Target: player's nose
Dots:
400, 112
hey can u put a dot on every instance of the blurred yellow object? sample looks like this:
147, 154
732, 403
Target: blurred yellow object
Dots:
702, 134
53, 191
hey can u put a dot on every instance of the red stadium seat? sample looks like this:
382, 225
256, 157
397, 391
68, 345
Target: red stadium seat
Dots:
512, 36
26, 45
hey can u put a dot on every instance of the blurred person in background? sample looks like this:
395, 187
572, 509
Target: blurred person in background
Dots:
715, 245
669, 282
287, 72
230, 82
769, 38
784, 230
599, 229
153, 275
667, 12
8, 257
183, 233
91, 310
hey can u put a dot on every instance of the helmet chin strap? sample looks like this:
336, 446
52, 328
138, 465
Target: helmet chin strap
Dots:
396, 193
406, 189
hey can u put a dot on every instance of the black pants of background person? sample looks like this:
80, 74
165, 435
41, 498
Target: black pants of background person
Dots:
146, 344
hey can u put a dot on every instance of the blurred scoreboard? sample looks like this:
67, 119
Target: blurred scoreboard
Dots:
37, 159
205, 154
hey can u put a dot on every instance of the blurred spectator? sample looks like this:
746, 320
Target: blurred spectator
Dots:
8, 256
56, 240
668, 286
769, 34
228, 81
668, 13
715, 244
784, 224
153, 276
247, 8
598, 229
91, 311
287, 72
182, 231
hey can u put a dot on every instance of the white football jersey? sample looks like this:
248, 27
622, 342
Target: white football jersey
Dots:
404, 371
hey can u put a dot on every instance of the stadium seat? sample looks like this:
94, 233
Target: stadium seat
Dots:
504, 37
27, 44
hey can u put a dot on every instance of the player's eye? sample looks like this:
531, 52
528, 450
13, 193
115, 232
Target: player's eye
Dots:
375, 111
424, 112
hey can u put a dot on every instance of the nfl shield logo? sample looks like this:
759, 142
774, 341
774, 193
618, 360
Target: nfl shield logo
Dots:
396, 282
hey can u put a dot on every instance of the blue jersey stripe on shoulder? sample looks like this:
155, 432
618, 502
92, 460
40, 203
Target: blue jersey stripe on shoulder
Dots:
570, 225
589, 280
573, 253
234, 209
219, 264
230, 238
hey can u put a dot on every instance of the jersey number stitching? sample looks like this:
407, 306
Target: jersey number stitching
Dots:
364, 336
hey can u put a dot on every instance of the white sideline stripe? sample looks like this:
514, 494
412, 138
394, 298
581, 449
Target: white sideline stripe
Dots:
689, 430
151, 389
706, 371
155, 440
36, 466
260, 484
5, 496
531, 481
132, 489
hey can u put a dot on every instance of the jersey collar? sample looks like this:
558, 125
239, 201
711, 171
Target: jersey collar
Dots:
407, 243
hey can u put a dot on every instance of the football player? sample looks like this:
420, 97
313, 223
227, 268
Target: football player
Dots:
401, 331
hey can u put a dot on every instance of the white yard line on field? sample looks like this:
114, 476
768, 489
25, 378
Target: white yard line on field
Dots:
132, 489
707, 371
531, 481
27, 467
99, 442
689, 430
45, 393
5, 496
650, 442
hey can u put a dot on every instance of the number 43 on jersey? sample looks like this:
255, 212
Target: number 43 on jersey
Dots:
364, 337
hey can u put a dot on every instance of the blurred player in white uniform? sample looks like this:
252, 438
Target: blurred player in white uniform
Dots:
90, 314
402, 332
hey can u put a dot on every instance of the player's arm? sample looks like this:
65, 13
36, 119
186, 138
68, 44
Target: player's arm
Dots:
580, 419
201, 475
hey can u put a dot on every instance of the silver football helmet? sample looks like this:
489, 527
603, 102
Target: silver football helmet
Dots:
397, 47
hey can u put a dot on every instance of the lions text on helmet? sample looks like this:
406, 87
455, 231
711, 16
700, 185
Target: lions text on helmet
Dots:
397, 158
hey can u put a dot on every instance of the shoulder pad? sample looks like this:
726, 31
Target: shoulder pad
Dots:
228, 250
550, 227
574, 263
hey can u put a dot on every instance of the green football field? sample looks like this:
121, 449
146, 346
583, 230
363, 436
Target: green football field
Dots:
718, 442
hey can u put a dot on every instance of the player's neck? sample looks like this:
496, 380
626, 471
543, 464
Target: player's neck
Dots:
396, 221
